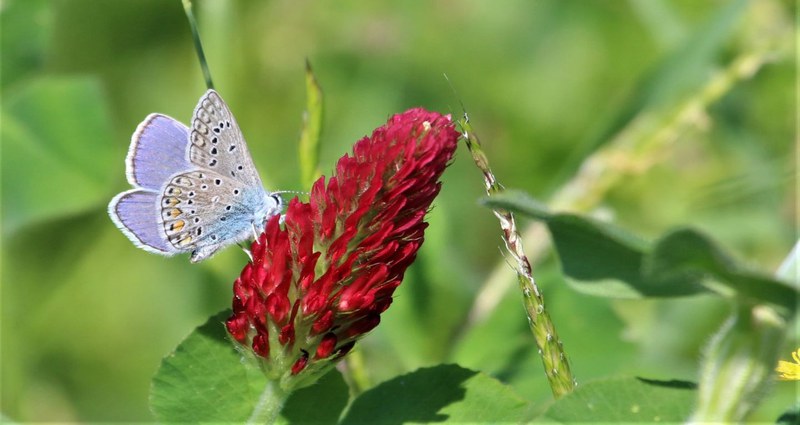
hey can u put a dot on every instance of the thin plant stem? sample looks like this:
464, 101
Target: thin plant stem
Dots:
551, 350
198, 46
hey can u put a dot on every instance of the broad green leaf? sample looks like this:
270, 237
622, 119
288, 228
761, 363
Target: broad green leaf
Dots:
321, 403
58, 151
205, 379
312, 128
624, 400
442, 394
686, 254
606, 260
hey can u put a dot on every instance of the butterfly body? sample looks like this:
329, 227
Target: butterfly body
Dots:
195, 189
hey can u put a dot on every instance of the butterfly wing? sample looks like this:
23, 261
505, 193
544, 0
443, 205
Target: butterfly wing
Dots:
217, 143
157, 151
202, 211
135, 213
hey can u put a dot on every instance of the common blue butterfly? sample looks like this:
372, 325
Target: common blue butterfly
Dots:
195, 189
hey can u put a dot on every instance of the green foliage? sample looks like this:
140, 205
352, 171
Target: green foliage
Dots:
309, 144
609, 261
440, 394
697, 138
54, 130
624, 400
206, 379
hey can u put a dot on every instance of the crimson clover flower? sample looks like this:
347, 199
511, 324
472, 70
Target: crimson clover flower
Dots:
322, 280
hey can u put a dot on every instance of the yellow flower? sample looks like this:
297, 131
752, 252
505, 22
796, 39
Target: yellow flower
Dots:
789, 371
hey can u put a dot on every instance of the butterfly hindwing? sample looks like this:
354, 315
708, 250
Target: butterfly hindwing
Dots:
135, 214
217, 143
203, 210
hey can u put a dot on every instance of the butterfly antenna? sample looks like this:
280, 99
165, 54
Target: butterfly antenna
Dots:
292, 191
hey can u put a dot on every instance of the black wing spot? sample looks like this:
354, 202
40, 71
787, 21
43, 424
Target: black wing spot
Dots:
197, 219
230, 149
200, 175
212, 163
214, 140
217, 182
216, 130
191, 195
193, 212
213, 151
233, 174
223, 218
190, 202
204, 187
228, 124
240, 168
213, 237
228, 208
199, 231
235, 191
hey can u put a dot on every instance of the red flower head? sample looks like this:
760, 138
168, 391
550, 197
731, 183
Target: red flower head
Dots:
319, 283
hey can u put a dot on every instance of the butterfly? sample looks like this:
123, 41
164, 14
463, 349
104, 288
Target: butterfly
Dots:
195, 189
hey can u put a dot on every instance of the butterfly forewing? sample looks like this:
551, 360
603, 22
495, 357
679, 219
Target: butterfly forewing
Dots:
217, 142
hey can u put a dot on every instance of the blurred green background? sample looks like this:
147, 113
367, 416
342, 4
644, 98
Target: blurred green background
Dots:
86, 317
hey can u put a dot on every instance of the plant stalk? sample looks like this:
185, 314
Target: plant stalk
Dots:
551, 350
198, 46
269, 404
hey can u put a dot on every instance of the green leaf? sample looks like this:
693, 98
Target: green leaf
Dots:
605, 260
312, 128
205, 379
519, 202
321, 403
442, 394
620, 400
685, 254
58, 155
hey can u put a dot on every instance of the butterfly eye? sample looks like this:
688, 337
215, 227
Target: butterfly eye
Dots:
277, 198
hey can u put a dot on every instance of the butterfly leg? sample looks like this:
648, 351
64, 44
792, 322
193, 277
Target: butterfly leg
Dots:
246, 251
202, 253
